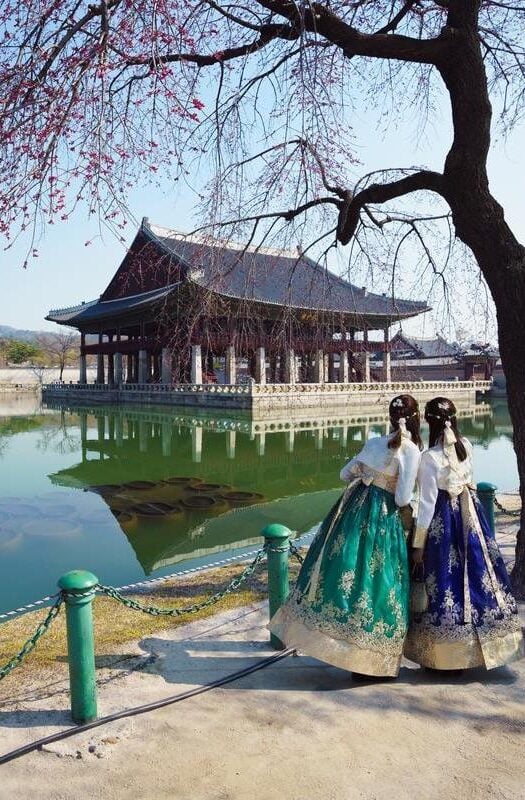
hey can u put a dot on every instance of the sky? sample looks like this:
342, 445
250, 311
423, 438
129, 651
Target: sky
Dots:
68, 272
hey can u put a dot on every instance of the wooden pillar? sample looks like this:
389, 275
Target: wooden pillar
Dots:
260, 366
331, 368
111, 369
231, 365
196, 365
82, 377
142, 376
166, 366
100, 362
387, 372
343, 367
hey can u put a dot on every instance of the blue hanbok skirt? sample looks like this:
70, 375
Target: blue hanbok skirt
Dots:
472, 618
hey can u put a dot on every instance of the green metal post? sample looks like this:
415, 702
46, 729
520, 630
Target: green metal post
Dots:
276, 539
79, 590
486, 495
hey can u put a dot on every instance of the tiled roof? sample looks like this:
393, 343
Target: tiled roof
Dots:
275, 276
97, 309
426, 348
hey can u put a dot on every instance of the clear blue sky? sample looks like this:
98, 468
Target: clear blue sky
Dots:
68, 272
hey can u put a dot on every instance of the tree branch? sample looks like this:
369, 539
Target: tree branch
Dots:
319, 19
381, 193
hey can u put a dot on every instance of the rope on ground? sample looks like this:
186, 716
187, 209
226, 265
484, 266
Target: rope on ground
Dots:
32, 641
511, 513
157, 611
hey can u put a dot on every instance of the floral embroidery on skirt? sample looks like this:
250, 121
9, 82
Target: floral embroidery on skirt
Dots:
472, 618
355, 616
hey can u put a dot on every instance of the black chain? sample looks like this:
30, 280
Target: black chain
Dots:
295, 553
157, 611
32, 641
515, 513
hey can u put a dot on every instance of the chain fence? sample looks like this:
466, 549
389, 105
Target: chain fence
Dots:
157, 611
511, 513
31, 643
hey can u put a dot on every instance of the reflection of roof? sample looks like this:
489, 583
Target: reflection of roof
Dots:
96, 309
275, 276
424, 348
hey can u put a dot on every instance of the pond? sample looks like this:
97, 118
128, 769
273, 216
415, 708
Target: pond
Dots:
135, 492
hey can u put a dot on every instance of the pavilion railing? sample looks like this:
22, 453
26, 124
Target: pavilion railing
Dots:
253, 388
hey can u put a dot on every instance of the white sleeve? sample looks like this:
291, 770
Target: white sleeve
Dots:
349, 470
409, 457
428, 492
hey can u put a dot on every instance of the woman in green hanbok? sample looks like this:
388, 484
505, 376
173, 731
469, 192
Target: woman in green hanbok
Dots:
349, 606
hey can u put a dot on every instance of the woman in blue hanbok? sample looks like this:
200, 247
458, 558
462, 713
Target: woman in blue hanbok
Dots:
471, 618
349, 606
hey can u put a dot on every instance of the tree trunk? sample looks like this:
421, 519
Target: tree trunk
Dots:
480, 223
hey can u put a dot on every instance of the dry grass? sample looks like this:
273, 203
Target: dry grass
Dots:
116, 625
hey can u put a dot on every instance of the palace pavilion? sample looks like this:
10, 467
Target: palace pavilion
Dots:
186, 310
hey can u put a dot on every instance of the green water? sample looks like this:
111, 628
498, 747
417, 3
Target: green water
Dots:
54, 516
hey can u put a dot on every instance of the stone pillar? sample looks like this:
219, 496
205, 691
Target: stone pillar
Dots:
343, 367
289, 440
166, 439
101, 429
343, 436
319, 367
167, 366
117, 368
289, 366
325, 370
196, 366
366, 359
231, 437
142, 376
196, 441
231, 365
260, 442
100, 368
149, 357
319, 436
144, 432
82, 378
119, 430
387, 372
260, 366
129, 368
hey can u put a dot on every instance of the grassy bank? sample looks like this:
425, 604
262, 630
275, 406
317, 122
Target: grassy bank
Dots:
116, 625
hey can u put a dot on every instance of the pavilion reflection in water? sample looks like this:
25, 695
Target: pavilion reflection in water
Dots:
292, 462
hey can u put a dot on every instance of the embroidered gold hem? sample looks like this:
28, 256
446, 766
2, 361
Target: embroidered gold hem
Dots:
344, 654
465, 654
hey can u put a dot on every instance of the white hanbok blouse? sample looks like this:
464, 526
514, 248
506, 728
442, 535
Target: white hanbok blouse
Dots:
399, 465
437, 471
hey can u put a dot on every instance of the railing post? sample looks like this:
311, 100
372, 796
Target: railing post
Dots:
486, 495
276, 540
78, 587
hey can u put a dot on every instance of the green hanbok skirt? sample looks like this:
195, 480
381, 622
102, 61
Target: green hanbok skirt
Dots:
349, 606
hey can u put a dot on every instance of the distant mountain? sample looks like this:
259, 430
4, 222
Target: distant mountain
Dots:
6, 332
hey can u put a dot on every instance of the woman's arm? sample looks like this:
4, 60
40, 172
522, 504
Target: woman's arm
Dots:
428, 492
350, 470
409, 457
